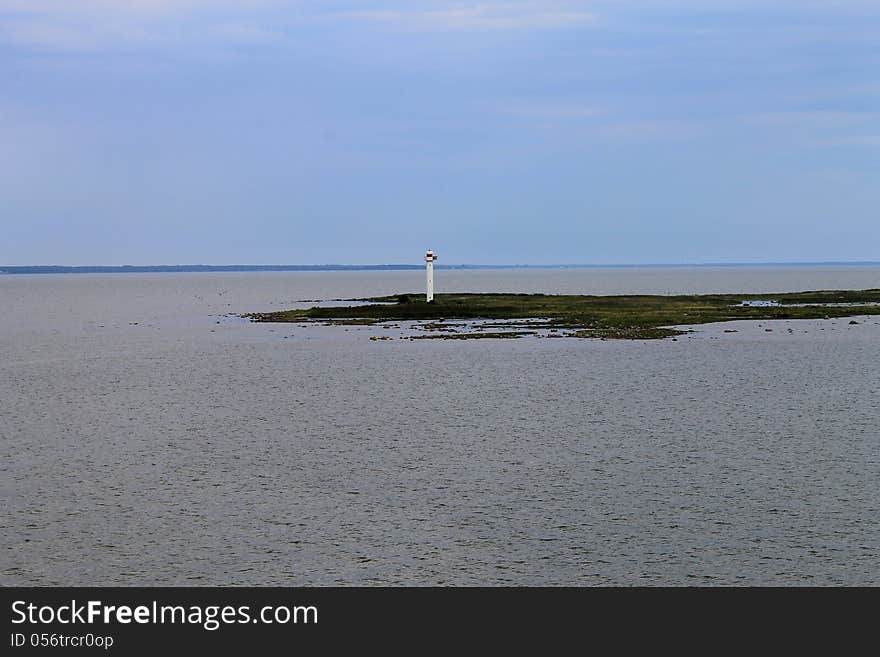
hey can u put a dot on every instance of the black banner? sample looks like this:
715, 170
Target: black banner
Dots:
138, 620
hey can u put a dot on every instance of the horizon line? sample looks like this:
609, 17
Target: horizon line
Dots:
195, 268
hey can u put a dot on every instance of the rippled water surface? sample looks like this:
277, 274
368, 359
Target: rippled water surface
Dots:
148, 438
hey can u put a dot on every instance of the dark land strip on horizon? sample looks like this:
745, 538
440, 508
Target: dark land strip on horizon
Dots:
142, 269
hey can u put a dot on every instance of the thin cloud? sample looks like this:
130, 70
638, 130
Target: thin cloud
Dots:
94, 25
810, 118
140, 8
550, 110
100, 25
480, 16
650, 131
870, 141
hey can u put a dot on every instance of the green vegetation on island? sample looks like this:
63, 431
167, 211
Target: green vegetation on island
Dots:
635, 317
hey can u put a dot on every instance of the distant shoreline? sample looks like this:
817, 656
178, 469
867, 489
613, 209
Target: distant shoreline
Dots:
145, 269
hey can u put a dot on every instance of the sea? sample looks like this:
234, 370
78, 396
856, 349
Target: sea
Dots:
150, 435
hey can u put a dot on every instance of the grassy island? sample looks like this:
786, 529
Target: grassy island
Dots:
636, 317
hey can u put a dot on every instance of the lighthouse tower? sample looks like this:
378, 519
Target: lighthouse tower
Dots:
429, 267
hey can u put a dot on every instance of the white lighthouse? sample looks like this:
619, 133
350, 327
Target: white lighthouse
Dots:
429, 267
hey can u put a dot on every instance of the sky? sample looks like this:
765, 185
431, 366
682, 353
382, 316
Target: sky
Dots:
522, 132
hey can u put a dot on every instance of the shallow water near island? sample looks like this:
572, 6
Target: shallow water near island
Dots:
149, 437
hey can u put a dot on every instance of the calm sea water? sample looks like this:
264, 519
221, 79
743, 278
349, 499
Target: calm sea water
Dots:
147, 438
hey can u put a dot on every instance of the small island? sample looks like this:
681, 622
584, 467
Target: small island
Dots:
633, 317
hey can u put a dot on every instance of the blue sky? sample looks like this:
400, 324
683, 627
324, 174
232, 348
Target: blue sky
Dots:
303, 132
